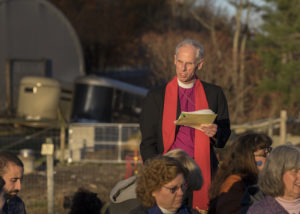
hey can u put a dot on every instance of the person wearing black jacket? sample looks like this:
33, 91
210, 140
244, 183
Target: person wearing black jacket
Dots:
11, 170
186, 92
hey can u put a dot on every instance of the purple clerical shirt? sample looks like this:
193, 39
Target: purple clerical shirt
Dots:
185, 137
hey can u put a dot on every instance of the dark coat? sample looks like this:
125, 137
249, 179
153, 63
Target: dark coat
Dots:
14, 206
152, 114
268, 205
228, 201
142, 210
251, 195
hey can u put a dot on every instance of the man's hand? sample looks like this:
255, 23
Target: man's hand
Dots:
209, 129
201, 211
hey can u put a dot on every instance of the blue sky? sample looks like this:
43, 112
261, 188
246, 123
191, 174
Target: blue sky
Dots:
255, 19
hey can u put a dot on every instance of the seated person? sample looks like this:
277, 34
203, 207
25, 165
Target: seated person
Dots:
238, 170
123, 197
85, 201
279, 180
161, 186
2, 199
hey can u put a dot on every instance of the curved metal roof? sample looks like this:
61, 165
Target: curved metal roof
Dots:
94, 80
39, 40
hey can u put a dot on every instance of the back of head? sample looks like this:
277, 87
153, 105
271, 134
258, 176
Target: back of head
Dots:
6, 158
281, 159
156, 173
240, 160
85, 201
2, 183
194, 178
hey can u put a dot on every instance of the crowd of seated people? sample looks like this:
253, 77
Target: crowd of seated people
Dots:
252, 178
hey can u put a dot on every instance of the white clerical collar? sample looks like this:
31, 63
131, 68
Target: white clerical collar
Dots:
183, 85
164, 211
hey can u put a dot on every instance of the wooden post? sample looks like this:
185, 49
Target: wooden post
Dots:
62, 124
283, 120
62, 143
120, 143
270, 128
8, 101
48, 150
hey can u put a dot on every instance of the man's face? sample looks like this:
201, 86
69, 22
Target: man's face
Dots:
12, 176
186, 64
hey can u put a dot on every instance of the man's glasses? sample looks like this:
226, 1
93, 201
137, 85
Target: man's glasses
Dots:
183, 188
267, 150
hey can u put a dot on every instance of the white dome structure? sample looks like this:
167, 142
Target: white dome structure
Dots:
36, 39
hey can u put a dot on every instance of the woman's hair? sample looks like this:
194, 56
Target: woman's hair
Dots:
2, 183
240, 160
281, 159
156, 173
194, 177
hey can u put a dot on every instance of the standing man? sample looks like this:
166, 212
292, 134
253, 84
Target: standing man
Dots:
11, 170
186, 92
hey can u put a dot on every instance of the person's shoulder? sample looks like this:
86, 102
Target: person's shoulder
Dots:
139, 210
231, 181
207, 85
156, 93
16, 206
123, 190
266, 202
257, 207
157, 89
255, 193
251, 195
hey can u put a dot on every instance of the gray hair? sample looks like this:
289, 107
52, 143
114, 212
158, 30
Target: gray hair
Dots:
194, 177
281, 159
199, 48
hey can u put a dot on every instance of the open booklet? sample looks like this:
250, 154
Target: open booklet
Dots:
195, 119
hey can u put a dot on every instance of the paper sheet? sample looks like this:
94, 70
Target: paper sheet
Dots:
196, 118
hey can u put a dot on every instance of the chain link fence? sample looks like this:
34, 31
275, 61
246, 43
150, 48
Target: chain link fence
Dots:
96, 156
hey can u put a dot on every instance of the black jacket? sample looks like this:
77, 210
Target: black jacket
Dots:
14, 206
251, 195
142, 210
152, 114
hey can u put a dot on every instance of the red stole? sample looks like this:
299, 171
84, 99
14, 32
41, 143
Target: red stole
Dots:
202, 143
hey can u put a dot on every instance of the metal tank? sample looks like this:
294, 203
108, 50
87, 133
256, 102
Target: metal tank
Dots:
38, 98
